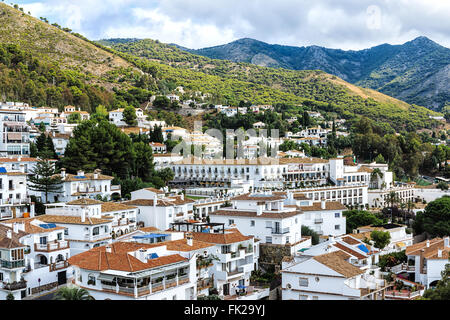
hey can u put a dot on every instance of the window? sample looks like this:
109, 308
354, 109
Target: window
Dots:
303, 282
337, 227
66, 232
230, 222
268, 239
315, 298
337, 215
96, 231
59, 236
1, 276
303, 297
252, 223
91, 280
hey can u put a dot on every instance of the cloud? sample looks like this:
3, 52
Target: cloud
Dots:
345, 24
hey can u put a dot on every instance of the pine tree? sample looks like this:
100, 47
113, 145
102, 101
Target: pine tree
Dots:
43, 178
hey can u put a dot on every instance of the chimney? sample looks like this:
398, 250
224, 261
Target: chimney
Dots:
141, 255
446, 242
428, 243
323, 204
80, 173
83, 215
63, 173
189, 239
15, 228
439, 253
108, 249
96, 174
9, 234
32, 213
22, 168
259, 210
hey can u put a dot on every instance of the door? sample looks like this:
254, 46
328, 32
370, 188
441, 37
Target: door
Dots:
62, 278
226, 289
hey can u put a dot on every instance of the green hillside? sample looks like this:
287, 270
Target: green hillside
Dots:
232, 82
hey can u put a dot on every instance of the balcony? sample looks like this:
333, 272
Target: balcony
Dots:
22, 284
319, 220
280, 230
88, 237
51, 246
115, 188
12, 264
58, 265
204, 284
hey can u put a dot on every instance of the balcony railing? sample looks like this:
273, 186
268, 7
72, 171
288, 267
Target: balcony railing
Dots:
16, 285
280, 230
12, 264
205, 283
319, 220
51, 246
58, 265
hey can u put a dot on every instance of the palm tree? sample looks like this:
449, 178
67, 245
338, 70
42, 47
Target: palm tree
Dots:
74, 293
392, 198
375, 174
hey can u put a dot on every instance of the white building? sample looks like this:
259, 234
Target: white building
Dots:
265, 217
35, 258
82, 219
160, 211
427, 259
15, 133
136, 271
399, 238
14, 199
124, 218
83, 185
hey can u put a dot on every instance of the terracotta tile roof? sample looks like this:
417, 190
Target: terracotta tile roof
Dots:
253, 214
430, 252
230, 236
302, 160
32, 228
98, 259
155, 190
329, 205
84, 201
350, 240
365, 169
22, 159
178, 200
349, 250
181, 245
13, 173
257, 197
115, 206
7, 243
149, 229
335, 261
66, 219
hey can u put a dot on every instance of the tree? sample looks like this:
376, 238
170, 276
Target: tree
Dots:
129, 116
359, 218
309, 232
75, 293
166, 175
392, 199
380, 238
442, 185
43, 178
376, 173
10, 296
156, 135
435, 220
74, 118
161, 102
100, 145
143, 163
101, 113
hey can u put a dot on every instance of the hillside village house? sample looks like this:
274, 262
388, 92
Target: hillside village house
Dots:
165, 160
265, 217
324, 217
341, 268
426, 261
237, 256
20, 164
116, 116
83, 185
136, 271
157, 210
14, 199
15, 133
82, 219
158, 147
68, 110
124, 218
32, 250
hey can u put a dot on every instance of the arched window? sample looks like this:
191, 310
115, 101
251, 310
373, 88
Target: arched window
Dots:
59, 258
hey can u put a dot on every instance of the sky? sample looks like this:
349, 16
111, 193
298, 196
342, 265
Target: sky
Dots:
340, 24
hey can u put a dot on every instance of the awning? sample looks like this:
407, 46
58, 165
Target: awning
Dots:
106, 277
14, 135
401, 244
